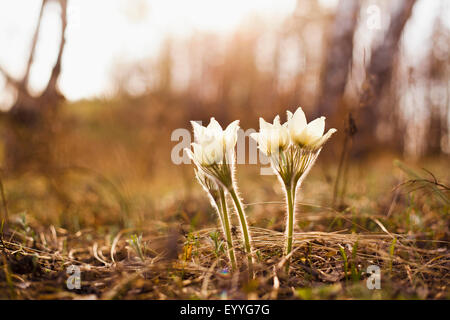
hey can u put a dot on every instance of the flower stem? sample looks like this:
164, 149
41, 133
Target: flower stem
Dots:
290, 196
245, 233
227, 229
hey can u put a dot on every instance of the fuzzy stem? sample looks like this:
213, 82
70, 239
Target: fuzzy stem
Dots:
245, 233
227, 229
290, 197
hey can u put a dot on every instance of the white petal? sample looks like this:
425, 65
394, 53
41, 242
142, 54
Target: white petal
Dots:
325, 137
289, 115
263, 125
233, 126
276, 121
198, 152
190, 154
255, 136
316, 128
230, 134
299, 119
284, 136
213, 152
296, 125
262, 146
214, 126
199, 130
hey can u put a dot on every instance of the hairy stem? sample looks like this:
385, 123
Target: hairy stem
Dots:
290, 198
244, 227
227, 229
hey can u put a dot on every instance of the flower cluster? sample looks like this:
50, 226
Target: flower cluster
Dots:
213, 154
213, 150
292, 149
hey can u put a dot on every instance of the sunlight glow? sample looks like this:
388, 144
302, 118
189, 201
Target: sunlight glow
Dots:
102, 32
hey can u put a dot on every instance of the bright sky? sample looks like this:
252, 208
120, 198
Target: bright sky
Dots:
102, 32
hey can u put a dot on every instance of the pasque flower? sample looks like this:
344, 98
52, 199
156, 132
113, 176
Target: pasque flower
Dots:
271, 138
307, 135
213, 144
213, 150
214, 155
292, 149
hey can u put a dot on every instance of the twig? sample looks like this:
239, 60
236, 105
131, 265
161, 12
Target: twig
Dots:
276, 284
5, 204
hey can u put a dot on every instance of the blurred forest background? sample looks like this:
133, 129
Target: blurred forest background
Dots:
378, 70
91, 93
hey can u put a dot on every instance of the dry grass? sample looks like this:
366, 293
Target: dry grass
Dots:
324, 265
88, 217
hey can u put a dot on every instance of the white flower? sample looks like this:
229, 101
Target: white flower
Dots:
271, 138
213, 154
213, 144
309, 135
208, 153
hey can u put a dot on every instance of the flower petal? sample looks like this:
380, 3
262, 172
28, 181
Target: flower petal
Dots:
214, 127
263, 125
299, 119
325, 137
230, 134
190, 154
213, 152
289, 115
276, 121
197, 152
255, 136
296, 124
316, 128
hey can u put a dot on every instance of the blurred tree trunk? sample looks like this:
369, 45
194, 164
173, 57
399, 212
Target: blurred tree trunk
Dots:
31, 119
339, 57
435, 131
438, 75
378, 77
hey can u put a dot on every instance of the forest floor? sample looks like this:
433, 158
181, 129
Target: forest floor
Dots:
398, 224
